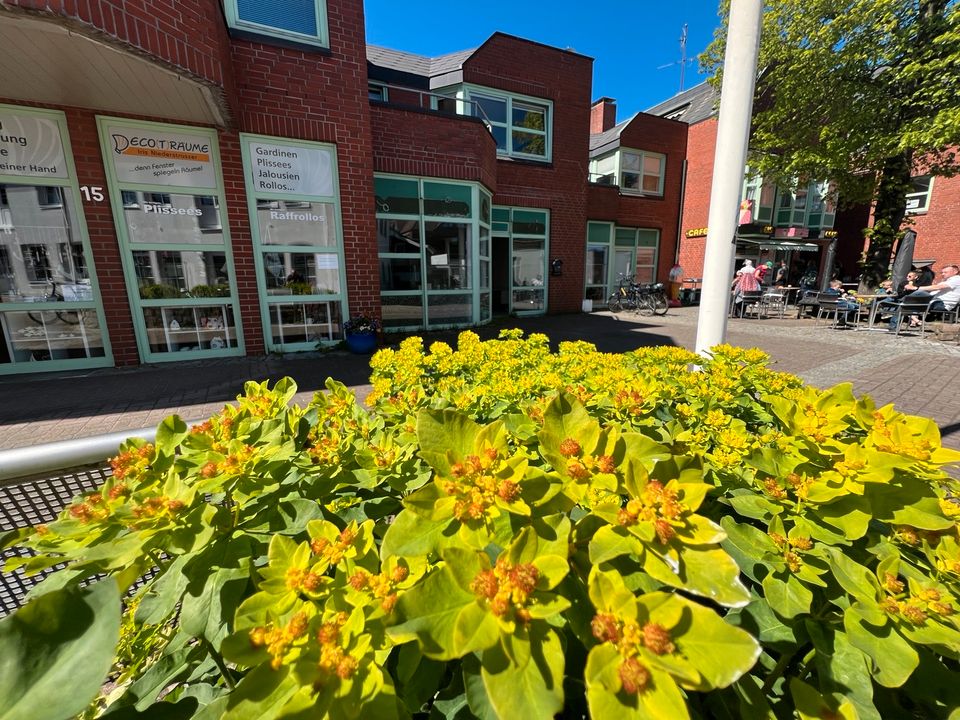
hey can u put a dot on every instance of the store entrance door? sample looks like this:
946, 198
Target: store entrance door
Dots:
500, 269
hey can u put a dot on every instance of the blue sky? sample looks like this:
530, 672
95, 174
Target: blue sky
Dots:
628, 39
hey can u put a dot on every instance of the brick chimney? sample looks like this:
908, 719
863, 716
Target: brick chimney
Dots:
603, 115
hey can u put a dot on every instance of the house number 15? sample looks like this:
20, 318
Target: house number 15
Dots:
92, 193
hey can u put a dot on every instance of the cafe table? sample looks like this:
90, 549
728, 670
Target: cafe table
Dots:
875, 300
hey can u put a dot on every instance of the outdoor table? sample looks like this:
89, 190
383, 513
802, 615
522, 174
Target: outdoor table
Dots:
787, 290
875, 301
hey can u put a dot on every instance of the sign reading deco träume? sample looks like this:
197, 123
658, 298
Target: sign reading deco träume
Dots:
154, 156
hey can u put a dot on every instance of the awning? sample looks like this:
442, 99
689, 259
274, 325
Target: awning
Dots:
782, 245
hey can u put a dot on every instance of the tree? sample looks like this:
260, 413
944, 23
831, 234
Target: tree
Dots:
863, 92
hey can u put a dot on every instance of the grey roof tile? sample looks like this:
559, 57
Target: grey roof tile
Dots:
417, 64
697, 104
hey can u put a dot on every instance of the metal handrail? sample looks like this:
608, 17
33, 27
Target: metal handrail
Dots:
421, 93
38, 461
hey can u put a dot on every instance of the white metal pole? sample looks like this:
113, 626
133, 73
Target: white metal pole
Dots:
733, 134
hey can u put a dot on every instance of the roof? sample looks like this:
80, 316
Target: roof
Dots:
608, 139
690, 106
417, 64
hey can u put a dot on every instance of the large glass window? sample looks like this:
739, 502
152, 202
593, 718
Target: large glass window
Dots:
300, 20
296, 229
427, 243
918, 199
175, 239
613, 252
521, 126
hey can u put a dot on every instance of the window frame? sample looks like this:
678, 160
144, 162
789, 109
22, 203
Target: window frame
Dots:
641, 155
926, 196
469, 93
321, 39
380, 88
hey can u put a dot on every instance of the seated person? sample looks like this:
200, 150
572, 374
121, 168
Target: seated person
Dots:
851, 306
945, 294
908, 286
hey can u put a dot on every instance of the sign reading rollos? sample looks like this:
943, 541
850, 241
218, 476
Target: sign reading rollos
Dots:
30, 145
291, 169
151, 155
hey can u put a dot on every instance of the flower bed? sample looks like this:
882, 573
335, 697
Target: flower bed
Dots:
519, 533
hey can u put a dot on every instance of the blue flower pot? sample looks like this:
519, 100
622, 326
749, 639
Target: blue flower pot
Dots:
362, 343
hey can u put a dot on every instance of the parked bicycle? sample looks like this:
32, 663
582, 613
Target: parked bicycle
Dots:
644, 298
76, 316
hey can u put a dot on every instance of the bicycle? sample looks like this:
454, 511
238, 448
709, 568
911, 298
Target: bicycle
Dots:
624, 297
646, 299
44, 317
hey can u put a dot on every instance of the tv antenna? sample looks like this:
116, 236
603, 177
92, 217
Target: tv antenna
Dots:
683, 56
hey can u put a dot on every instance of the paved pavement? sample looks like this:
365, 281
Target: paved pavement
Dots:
920, 376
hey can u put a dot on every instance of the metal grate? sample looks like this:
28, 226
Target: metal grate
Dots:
33, 502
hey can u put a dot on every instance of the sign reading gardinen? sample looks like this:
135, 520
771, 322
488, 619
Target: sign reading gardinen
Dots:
291, 169
154, 156
30, 145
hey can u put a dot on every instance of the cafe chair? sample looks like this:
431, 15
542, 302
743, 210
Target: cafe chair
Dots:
826, 306
772, 303
911, 306
746, 300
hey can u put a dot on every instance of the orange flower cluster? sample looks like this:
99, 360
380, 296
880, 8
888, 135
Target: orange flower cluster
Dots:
277, 640
507, 588
334, 660
629, 636
580, 466
657, 505
333, 552
382, 586
131, 463
476, 486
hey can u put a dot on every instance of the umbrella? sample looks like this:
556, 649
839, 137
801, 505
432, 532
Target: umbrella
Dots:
904, 260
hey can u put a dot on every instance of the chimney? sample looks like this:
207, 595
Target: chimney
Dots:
603, 115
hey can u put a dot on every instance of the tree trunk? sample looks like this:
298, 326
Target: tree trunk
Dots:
889, 211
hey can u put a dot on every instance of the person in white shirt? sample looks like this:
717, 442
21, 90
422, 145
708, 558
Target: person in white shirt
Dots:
946, 293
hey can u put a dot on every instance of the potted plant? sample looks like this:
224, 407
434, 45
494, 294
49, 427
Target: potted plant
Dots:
361, 333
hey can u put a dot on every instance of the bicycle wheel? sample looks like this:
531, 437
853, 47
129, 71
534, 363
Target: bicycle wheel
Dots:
42, 317
645, 305
660, 304
614, 303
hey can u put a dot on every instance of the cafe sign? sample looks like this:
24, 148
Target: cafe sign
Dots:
30, 145
152, 155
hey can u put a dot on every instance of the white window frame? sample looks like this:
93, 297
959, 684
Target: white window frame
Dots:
471, 92
923, 197
641, 155
321, 38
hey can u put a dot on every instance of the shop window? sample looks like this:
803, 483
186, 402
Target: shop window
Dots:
521, 127
302, 21
642, 172
918, 199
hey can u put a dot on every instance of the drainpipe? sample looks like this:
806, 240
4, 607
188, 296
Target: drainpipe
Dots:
683, 200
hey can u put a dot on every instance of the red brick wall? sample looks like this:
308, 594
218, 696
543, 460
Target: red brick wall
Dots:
938, 229
190, 34
408, 142
520, 66
322, 97
701, 143
669, 137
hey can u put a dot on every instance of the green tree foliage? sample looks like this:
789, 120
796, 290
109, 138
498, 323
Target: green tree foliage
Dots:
862, 92
507, 533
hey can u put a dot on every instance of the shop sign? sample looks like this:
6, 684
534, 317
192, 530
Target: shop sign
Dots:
153, 156
291, 169
792, 232
30, 145
696, 232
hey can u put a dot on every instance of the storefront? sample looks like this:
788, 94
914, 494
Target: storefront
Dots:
293, 201
520, 251
433, 241
51, 316
166, 190
614, 252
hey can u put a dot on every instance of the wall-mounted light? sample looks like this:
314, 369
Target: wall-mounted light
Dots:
556, 266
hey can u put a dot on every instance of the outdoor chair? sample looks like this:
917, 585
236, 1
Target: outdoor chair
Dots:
945, 316
807, 301
746, 300
911, 306
773, 303
826, 306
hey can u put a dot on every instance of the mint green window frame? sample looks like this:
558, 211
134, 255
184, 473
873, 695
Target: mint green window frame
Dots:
320, 39
615, 244
425, 189
138, 304
270, 304
641, 173
757, 191
513, 101
95, 305
522, 296
599, 243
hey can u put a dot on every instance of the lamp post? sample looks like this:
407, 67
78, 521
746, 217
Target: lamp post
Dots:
733, 135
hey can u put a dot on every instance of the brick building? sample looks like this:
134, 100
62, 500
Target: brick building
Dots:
207, 178
796, 226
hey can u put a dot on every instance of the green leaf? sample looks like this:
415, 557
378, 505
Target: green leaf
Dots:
56, 651
446, 437
262, 694
170, 433
530, 685
787, 596
410, 535
853, 577
610, 542
893, 657
660, 700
